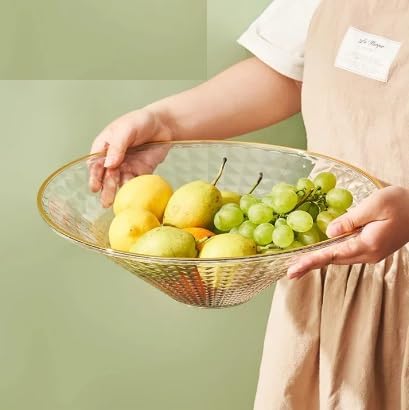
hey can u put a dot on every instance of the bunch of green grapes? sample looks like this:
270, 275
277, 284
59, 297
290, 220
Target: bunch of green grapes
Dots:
290, 216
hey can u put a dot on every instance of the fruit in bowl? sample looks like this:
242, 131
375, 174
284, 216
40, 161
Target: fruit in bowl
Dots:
129, 225
167, 242
288, 217
195, 271
201, 235
150, 192
226, 245
199, 221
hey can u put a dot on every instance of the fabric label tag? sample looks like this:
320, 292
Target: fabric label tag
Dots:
367, 54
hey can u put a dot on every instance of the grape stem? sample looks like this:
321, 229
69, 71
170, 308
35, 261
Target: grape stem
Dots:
260, 178
219, 174
305, 198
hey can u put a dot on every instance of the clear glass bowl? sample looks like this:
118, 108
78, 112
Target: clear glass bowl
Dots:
73, 211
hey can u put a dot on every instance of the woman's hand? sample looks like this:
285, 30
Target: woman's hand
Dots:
130, 130
384, 219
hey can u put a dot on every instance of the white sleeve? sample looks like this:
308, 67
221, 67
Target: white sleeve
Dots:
278, 35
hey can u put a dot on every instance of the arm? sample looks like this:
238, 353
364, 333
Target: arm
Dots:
248, 96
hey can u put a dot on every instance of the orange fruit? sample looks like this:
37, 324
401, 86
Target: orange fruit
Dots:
200, 234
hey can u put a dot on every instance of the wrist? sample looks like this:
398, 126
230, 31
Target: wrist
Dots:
163, 123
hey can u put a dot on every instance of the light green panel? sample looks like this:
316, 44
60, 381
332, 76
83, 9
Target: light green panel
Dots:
76, 331
103, 39
226, 21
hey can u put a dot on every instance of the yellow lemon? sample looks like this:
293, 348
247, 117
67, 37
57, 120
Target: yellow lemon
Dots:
128, 226
149, 192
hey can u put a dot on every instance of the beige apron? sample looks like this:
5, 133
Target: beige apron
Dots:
338, 338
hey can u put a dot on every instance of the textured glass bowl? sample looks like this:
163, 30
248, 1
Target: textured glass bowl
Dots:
74, 212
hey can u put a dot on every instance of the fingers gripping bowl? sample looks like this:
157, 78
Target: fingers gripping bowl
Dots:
73, 211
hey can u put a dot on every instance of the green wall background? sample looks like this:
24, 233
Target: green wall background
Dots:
76, 331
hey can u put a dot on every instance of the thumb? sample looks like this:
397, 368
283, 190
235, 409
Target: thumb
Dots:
354, 219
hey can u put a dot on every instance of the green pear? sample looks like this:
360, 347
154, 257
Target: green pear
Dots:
167, 242
193, 205
227, 245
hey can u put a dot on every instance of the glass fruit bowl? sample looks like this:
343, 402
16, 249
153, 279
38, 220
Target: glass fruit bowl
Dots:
73, 211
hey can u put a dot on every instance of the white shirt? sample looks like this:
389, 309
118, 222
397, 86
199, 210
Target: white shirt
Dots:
278, 35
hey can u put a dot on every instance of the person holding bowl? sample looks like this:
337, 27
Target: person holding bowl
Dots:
338, 338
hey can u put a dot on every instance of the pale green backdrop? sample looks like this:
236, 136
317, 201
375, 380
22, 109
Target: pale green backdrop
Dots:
76, 331
100, 39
